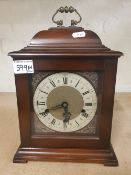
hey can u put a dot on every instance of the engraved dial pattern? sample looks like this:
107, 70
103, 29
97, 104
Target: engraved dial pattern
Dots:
69, 84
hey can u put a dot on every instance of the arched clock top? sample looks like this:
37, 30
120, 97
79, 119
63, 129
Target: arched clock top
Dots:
68, 41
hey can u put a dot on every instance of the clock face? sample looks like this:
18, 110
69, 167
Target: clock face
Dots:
65, 102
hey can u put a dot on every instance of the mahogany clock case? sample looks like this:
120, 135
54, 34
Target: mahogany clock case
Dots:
55, 50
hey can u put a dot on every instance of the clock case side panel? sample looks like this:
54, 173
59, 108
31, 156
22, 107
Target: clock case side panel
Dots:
109, 82
23, 103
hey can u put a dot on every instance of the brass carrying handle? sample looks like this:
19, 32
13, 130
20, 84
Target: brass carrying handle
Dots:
66, 10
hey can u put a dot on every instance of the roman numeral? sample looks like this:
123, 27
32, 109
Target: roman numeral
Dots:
88, 104
44, 114
85, 93
43, 92
40, 103
77, 83
65, 80
77, 123
53, 122
84, 114
52, 82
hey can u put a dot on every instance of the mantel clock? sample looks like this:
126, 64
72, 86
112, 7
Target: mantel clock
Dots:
65, 103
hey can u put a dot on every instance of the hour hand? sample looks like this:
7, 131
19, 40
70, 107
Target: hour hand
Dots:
62, 105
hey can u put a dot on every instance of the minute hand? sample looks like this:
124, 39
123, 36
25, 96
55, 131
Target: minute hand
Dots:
54, 108
66, 115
